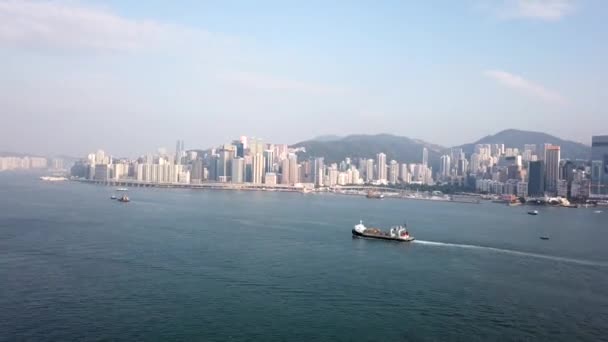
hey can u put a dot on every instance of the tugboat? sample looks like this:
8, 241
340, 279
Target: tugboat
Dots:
533, 212
124, 198
396, 233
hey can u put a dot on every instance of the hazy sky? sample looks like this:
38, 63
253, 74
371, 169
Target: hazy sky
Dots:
132, 76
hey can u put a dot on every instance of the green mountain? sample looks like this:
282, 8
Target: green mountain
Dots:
518, 138
401, 149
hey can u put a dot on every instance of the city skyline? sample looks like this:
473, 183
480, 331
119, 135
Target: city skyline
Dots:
447, 73
191, 146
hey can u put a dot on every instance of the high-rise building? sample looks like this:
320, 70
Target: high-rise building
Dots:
445, 167
599, 163
393, 172
369, 171
269, 161
179, 151
425, 156
196, 176
355, 178
552, 157
240, 148
536, 178
257, 167
226, 154
285, 171
404, 174
293, 168
381, 165
238, 170
319, 171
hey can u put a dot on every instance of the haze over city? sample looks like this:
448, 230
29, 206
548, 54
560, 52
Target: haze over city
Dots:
131, 77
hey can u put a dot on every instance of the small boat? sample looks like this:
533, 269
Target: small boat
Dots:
533, 212
124, 198
113, 197
544, 238
396, 233
374, 195
122, 189
598, 211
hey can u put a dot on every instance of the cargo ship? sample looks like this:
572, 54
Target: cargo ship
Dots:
396, 233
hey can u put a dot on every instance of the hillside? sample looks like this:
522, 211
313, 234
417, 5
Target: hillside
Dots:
402, 149
517, 138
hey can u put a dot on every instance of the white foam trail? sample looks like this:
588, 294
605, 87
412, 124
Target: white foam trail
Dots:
514, 252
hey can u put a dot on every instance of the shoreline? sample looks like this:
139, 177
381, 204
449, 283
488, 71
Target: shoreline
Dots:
303, 189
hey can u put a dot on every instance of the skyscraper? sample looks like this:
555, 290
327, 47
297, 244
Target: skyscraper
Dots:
269, 161
552, 157
369, 170
179, 151
257, 168
404, 174
536, 178
599, 160
393, 172
285, 171
196, 176
381, 165
444, 169
293, 168
425, 156
319, 171
238, 170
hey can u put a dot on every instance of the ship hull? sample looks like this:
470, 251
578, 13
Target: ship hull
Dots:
380, 237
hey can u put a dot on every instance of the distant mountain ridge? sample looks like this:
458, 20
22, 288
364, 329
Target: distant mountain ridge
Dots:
406, 150
402, 149
518, 138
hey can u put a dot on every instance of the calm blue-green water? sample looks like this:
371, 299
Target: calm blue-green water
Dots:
236, 266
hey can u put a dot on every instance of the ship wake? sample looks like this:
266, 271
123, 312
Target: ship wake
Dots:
513, 252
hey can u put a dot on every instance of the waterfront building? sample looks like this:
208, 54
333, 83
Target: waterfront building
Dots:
270, 178
444, 166
599, 166
522, 189
269, 161
293, 168
285, 171
356, 175
238, 170
381, 166
102, 172
332, 176
319, 171
536, 178
404, 174
552, 158
369, 170
257, 168
562, 188
197, 171
393, 172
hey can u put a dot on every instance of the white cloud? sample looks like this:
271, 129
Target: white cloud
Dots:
267, 82
37, 24
547, 10
525, 86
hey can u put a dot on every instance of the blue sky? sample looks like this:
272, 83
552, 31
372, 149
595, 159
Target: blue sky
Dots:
131, 76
